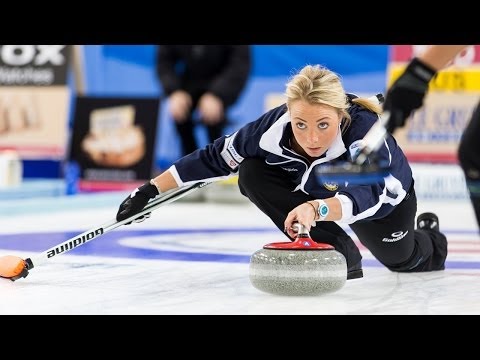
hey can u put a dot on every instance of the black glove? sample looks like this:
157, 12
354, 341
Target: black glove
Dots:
136, 202
407, 93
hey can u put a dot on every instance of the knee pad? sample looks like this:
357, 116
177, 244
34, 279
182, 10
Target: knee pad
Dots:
429, 255
420, 257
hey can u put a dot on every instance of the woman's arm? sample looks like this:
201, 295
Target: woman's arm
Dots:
164, 182
307, 213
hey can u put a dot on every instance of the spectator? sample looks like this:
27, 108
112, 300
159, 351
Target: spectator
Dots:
207, 78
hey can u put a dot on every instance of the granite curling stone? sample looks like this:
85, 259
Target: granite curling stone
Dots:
299, 268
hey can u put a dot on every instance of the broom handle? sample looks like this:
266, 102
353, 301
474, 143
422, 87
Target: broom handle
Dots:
373, 139
96, 231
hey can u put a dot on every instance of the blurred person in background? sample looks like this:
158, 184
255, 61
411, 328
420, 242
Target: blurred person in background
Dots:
407, 94
207, 78
276, 158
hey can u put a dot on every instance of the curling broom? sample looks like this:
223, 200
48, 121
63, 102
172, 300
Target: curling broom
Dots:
14, 267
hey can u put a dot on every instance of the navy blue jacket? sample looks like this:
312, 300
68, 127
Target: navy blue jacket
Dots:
268, 138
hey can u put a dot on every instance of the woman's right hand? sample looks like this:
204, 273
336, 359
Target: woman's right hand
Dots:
304, 214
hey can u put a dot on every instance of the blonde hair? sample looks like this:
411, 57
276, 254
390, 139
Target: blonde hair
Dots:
318, 85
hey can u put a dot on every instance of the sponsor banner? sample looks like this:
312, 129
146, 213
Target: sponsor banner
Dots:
439, 182
33, 121
112, 141
453, 79
433, 132
34, 65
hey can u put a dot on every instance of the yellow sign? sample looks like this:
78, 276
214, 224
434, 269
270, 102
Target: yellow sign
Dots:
452, 79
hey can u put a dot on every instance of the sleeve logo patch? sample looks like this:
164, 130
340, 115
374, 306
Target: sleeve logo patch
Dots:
229, 160
230, 155
354, 148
